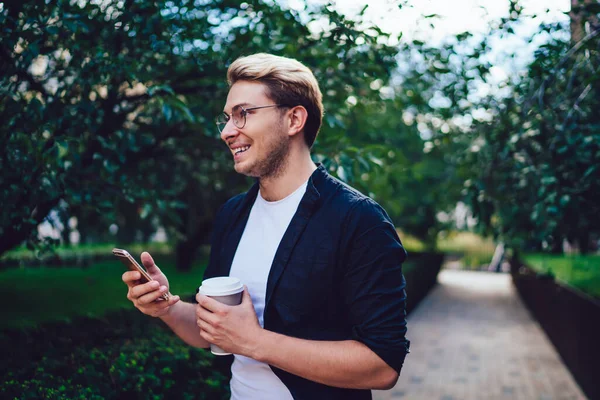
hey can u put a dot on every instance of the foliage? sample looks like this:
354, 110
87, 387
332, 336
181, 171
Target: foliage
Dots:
527, 151
413, 185
542, 175
579, 271
123, 355
108, 108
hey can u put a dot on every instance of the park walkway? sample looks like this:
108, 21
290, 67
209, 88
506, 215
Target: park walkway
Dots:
473, 339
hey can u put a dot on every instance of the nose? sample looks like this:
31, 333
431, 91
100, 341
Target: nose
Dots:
229, 131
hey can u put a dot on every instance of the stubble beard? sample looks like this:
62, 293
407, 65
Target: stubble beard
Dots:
275, 162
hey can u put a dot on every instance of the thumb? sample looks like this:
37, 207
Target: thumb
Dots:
246, 299
148, 262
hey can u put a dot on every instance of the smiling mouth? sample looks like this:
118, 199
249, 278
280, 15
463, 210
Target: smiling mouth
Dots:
240, 150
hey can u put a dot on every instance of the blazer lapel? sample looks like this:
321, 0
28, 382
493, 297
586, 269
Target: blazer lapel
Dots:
236, 229
290, 238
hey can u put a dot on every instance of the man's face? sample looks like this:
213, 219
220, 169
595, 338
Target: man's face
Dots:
260, 148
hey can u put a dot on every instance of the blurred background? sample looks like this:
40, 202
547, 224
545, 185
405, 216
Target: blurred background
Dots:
474, 123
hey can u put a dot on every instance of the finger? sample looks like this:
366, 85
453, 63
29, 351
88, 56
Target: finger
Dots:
142, 289
206, 336
211, 305
206, 327
153, 296
149, 264
205, 315
162, 305
131, 277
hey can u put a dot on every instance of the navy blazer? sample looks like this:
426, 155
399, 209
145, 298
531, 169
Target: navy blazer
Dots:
336, 275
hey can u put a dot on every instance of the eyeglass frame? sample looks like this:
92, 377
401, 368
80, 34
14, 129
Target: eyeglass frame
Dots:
244, 114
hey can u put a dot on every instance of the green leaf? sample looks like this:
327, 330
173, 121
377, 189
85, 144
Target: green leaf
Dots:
153, 90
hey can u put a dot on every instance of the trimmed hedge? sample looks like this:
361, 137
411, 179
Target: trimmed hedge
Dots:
570, 318
420, 271
77, 256
124, 355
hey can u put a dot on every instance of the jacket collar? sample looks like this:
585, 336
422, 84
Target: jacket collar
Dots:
306, 208
315, 181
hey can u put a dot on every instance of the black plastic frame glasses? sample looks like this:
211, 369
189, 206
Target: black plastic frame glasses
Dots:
238, 114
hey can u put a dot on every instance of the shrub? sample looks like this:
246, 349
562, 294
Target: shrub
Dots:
124, 355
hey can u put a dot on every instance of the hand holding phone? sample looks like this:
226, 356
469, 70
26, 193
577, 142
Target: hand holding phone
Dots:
133, 265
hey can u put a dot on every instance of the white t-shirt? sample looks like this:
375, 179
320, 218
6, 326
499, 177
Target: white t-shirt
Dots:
268, 221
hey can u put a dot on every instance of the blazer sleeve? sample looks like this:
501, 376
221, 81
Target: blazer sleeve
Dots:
372, 285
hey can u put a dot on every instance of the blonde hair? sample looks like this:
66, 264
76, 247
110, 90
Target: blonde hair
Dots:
288, 82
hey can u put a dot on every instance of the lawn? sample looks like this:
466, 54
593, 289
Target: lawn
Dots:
473, 250
581, 272
42, 294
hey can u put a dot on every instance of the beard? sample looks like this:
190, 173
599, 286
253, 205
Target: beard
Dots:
274, 163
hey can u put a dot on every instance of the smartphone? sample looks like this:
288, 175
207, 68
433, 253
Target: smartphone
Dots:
133, 265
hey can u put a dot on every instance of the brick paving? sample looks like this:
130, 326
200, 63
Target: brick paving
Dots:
472, 338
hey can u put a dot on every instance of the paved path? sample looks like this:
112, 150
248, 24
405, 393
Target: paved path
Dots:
473, 339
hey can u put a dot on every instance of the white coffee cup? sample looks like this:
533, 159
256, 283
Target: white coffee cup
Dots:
227, 290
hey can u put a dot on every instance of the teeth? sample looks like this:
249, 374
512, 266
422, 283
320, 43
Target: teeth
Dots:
241, 149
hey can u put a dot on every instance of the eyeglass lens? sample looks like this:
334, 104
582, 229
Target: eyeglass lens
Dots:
237, 114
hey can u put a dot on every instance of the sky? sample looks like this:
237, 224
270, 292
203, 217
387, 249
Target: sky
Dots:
455, 16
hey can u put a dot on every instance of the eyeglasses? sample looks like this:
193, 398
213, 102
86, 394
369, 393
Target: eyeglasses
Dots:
238, 114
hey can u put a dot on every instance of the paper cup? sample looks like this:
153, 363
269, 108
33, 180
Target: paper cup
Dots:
227, 290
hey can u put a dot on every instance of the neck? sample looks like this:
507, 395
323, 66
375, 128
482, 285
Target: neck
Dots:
296, 170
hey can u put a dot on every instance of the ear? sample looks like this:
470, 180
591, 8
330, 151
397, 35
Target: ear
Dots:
297, 117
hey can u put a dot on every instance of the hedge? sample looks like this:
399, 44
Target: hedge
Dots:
123, 355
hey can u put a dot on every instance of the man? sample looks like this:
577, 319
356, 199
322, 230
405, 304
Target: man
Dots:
323, 311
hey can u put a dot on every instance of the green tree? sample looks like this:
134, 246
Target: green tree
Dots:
528, 151
112, 103
541, 148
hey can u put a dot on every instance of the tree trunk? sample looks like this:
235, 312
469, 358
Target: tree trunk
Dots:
579, 16
66, 231
186, 253
187, 249
557, 247
583, 242
18, 231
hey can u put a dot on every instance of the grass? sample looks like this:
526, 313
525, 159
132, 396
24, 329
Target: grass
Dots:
473, 249
43, 294
39, 295
411, 243
21, 256
466, 243
579, 271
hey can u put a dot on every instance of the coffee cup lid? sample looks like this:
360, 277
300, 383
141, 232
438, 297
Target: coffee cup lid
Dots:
221, 286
